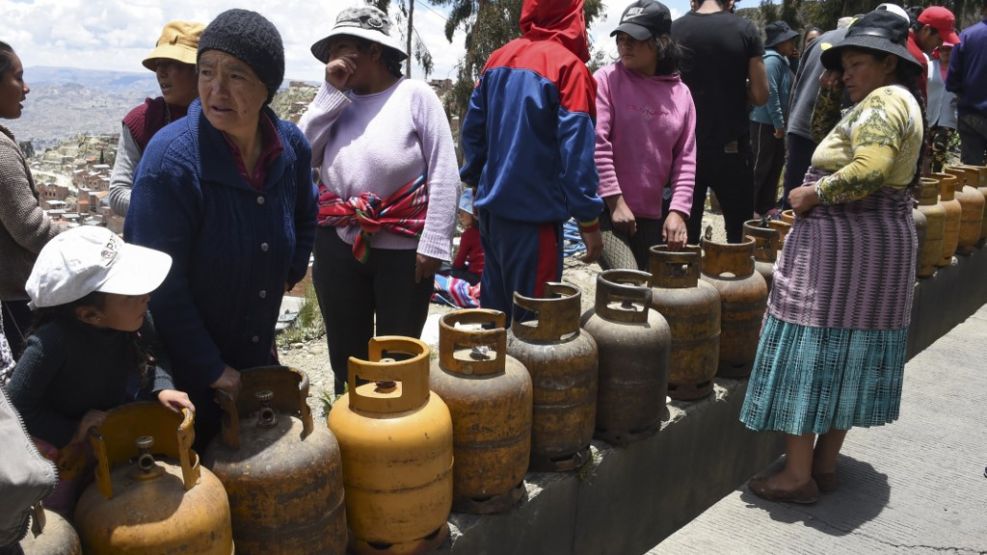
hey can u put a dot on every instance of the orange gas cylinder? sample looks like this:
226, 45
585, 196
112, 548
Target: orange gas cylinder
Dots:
729, 267
282, 473
397, 443
972, 205
767, 243
930, 250
57, 538
692, 309
151, 496
788, 216
633, 342
489, 394
921, 230
982, 187
783, 228
954, 212
564, 366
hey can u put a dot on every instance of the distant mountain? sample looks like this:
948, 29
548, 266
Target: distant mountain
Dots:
65, 102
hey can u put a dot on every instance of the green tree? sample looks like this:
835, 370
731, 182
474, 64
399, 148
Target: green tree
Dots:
416, 47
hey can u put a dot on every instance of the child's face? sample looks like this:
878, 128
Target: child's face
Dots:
122, 312
465, 219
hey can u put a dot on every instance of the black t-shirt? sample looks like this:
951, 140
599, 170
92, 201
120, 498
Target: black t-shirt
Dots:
718, 48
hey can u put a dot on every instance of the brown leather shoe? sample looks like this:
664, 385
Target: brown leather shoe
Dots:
805, 495
827, 481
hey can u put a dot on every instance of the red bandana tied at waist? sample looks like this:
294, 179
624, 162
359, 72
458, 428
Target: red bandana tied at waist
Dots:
402, 213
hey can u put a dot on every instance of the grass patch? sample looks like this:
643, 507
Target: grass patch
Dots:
307, 326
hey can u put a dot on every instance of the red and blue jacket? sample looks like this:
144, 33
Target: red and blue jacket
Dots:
528, 135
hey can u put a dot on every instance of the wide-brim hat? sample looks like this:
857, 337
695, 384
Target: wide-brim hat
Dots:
879, 30
87, 259
365, 22
777, 33
179, 41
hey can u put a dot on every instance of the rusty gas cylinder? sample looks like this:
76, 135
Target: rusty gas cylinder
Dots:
151, 496
767, 243
972, 208
921, 230
282, 473
788, 216
397, 444
489, 394
692, 309
982, 187
563, 362
57, 537
783, 228
951, 235
930, 251
634, 342
743, 299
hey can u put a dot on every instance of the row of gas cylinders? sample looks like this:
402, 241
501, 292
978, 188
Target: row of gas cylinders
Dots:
498, 402
949, 219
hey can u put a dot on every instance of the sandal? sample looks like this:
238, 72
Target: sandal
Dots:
804, 495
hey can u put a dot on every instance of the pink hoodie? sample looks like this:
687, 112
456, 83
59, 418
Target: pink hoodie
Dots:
645, 138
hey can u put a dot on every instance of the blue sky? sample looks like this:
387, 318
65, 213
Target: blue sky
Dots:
116, 35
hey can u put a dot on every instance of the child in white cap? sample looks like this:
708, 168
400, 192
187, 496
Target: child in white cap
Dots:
92, 347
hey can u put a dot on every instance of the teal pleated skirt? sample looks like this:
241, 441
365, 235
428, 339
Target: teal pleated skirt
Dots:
812, 380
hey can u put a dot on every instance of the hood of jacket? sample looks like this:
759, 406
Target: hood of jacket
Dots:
559, 20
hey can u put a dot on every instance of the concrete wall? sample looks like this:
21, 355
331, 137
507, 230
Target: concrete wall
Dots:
626, 500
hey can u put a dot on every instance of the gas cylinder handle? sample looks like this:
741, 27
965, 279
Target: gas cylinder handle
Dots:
630, 288
557, 314
411, 375
679, 269
489, 345
230, 419
720, 259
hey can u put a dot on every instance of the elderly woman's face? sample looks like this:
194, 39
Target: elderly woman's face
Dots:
232, 95
863, 72
13, 89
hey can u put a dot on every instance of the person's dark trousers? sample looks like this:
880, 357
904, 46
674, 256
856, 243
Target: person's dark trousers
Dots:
621, 251
16, 325
769, 157
465, 275
973, 139
727, 172
799, 158
351, 294
518, 256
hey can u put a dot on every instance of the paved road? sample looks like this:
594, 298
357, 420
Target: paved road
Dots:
916, 486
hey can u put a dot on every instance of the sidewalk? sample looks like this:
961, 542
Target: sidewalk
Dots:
915, 486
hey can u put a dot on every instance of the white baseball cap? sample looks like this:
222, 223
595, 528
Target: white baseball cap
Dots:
85, 259
895, 9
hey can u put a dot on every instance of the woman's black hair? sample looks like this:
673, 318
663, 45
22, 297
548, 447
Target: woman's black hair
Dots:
805, 33
909, 75
392, 59
6, 58
670, 55
142, 358
913, 13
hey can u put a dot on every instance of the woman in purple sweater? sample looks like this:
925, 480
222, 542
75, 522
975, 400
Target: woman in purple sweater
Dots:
388, 187
645, 140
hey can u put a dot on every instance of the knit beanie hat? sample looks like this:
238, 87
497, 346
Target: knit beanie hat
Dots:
250, 37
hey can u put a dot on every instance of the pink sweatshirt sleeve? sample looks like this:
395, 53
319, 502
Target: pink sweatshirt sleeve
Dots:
683, 178
603, 154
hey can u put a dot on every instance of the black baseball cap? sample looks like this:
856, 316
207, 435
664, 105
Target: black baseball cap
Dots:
645, 19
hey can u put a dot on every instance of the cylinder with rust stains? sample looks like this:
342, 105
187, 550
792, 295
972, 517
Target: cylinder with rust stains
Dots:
634, 343
489, 394
972, 205
692, 309
563, 362
151, 496
954, 212
921, 230
767, 243
396, 439
783, 228
282, 473
931, 249
729, 267
982, 187
57, 538
788, 216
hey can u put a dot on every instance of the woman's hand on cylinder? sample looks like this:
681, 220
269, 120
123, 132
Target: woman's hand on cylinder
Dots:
175, 400
425, 267
621, 216
339, 71
228, 381
674, 231
803, 199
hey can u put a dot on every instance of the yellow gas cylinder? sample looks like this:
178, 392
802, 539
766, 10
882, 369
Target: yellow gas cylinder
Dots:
397, 444
972, 206
57, 536
283, 475
151, 496
930, 250
564, 365
489, 395
783, 228
954, 212
788, 216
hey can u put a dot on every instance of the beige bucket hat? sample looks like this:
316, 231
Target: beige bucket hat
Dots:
179, 41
